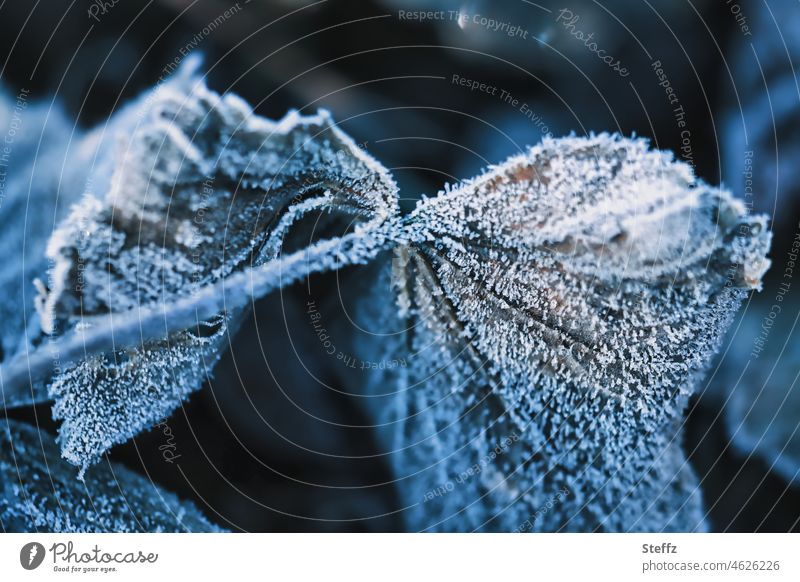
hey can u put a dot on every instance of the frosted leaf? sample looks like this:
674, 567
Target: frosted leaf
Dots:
39, 492
202, 189
108, 399
569, 300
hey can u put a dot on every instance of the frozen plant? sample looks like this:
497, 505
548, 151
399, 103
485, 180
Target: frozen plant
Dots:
759, 392
565, 304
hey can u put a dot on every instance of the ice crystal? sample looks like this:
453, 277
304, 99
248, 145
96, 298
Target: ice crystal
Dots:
39, 492
561, 309
202, 188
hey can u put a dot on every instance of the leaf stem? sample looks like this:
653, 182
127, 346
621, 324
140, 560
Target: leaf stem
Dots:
135, 327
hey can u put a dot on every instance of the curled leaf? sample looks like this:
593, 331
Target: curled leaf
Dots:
40, 177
